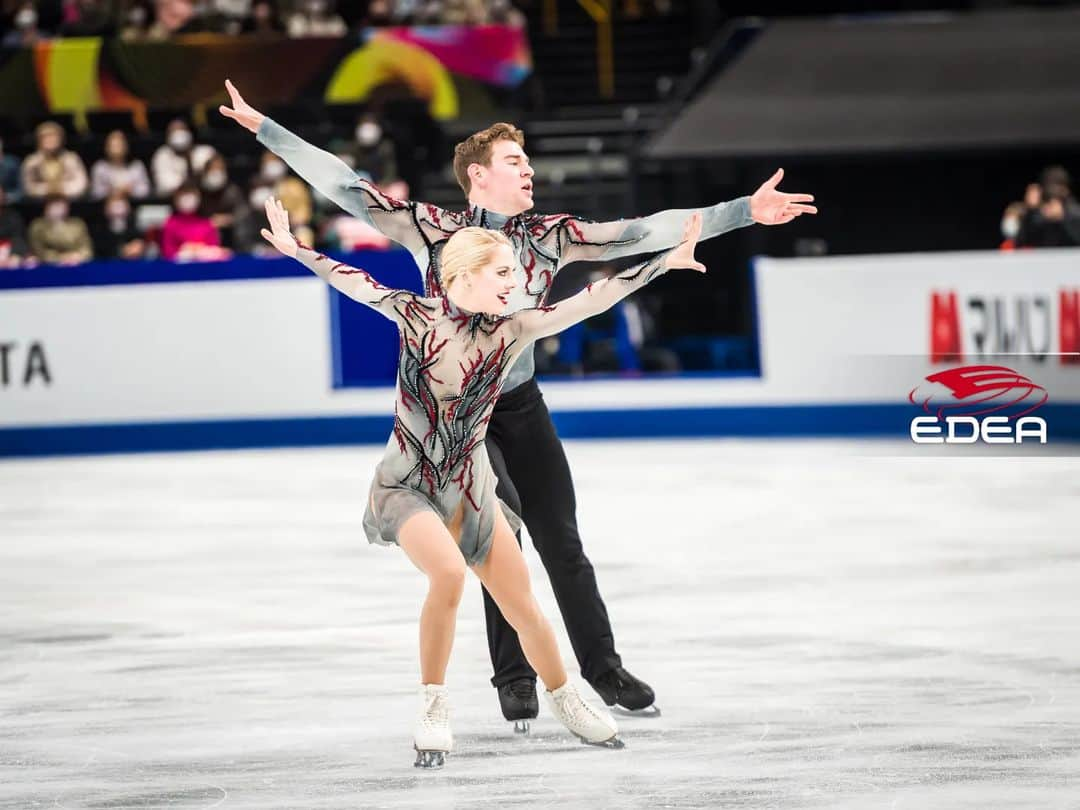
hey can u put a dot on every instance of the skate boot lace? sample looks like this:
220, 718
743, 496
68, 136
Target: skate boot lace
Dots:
436, 715
522, 690
577, 709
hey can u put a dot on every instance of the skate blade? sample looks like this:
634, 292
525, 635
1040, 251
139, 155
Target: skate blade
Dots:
430, 760
649, 712
522, 727
611, 742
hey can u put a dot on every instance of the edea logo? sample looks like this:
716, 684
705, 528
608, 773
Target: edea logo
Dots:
978, 403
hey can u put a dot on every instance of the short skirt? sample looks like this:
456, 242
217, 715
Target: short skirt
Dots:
390, 503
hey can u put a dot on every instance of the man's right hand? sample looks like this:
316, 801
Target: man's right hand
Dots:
241, 112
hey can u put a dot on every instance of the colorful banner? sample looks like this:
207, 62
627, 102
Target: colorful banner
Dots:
452, 68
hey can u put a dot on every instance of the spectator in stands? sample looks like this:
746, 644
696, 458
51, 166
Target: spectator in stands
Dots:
172, 17
501, 12
370, 151
13, 247
52, 169
429, 12
10, 182
272, 170
315, 18
84, 18
179, 160
1052, 215
465, 12
380, 12
273, 179
115, 173
119, 238
187, 236
223, 204
24, 26
1010, 225
264, 19
136, 24
229, 15
57, 237
258, 194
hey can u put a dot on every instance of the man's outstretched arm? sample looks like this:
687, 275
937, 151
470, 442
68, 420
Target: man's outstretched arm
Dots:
601, 241
398, 220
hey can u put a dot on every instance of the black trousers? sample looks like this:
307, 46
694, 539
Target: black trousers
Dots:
534, 481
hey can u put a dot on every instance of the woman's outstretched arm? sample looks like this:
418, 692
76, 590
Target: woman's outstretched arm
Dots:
534, 324
351, 281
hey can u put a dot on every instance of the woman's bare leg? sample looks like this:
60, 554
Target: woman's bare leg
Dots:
506, 577
429, 545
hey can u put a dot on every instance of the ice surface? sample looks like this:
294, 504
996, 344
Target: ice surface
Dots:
823, 629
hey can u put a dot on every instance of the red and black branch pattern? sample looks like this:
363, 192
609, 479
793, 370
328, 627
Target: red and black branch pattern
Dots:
540, 240
442, 433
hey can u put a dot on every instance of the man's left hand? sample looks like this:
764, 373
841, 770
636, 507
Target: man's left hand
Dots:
771, 207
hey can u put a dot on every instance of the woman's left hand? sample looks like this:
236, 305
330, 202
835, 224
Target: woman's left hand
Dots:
683, 255
279, 234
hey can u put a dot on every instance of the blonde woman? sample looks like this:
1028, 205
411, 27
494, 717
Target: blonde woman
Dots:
434, 491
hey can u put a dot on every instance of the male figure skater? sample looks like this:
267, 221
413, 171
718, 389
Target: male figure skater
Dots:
525, 452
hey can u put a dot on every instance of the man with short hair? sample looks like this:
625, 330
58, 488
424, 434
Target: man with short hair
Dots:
534, 478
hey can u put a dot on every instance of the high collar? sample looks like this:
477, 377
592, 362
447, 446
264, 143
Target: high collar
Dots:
455, 312
483, 218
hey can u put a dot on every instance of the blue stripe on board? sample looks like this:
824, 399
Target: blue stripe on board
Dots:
866, 420
109, 273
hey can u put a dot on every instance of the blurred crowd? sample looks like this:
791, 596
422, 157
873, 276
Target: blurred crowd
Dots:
1047, 216
186, 202
27, 21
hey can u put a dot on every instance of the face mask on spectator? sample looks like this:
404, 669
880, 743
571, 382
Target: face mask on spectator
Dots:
179, 139
258, 197
368, 133
316, 7
56, 211
137, 16
1010, 227
214, 180
273, 170
26, 18
187, 203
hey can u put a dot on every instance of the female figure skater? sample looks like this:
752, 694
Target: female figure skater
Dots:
434, 490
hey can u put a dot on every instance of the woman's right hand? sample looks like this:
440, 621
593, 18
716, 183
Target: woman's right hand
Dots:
279, 234
683, 254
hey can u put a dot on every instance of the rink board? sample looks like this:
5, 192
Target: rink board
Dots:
208, 360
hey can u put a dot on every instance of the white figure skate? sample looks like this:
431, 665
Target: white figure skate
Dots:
432, 738
590, 725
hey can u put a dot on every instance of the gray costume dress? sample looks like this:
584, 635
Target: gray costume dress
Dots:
452, 366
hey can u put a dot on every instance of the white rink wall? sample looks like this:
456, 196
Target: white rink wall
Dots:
847, 332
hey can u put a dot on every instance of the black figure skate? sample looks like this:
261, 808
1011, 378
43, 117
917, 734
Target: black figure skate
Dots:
626, 694
519, 704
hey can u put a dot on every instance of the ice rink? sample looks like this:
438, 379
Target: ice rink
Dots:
824, 629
